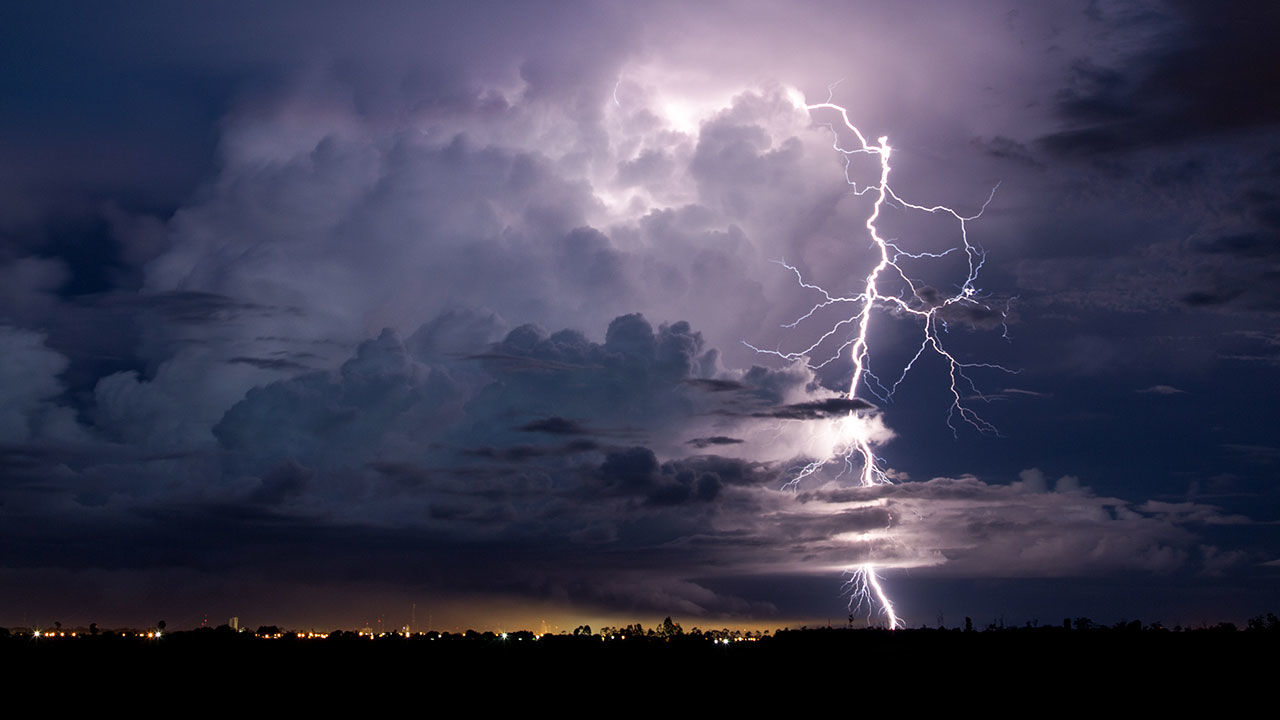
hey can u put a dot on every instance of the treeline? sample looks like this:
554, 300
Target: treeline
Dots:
724, 661
666, 631
1259, 623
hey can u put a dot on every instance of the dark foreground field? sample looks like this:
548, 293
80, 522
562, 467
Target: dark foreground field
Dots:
905, 665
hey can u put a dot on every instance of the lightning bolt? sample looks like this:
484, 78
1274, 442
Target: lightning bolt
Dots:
853, 449
863, 586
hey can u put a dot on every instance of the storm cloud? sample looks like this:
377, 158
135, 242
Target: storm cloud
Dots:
324, 302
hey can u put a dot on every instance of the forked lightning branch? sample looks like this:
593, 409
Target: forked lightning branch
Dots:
851, 334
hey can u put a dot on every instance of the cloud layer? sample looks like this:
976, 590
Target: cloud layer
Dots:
459, 302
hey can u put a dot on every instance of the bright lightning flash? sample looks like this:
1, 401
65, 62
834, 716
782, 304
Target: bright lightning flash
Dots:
863, 586
856, 431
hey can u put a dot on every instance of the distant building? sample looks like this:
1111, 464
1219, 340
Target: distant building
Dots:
234, 622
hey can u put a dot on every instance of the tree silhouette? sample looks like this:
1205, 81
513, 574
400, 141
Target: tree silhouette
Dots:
1270, 623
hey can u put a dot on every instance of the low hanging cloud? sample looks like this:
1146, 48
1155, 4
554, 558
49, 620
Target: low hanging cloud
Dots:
706, 442
817, 409
432, 453
551, 445
1162, 390
966, 527
555, 425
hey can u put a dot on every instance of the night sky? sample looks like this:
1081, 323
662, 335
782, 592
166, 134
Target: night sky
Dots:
312, 311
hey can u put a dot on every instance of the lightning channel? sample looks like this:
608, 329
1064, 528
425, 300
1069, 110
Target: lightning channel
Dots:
849, 335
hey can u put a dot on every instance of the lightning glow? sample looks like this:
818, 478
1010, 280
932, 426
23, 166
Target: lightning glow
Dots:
863, 586
857, 432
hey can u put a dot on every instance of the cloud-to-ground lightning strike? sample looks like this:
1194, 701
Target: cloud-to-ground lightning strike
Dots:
854, 438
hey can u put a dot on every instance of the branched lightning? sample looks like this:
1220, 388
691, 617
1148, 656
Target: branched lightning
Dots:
853, 449
864, 590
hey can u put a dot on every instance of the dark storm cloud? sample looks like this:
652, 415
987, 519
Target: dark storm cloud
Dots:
1007, 149
520, 363
636, 379
1201, 79
407, 474
716, 385
191, 307
328, 467
696, 479
1202, 298
521, 453
283, 482
1175, 114
1036, 532
634, 376
706, 442
817, 409
555, 425
335, 418
30, 386
1254, 246
210, 213
633, 468
729, 471
1164, 102
1244, 261
968, 313
270, 363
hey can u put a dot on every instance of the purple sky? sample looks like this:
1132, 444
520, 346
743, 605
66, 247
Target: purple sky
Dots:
311, 311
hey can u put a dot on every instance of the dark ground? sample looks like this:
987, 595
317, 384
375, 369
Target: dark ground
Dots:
873, 667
